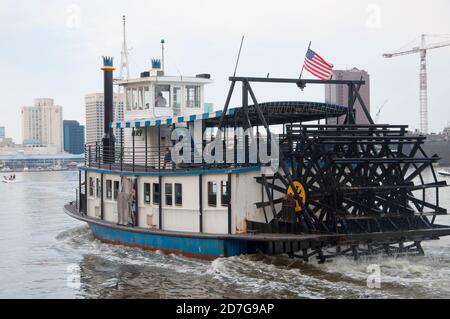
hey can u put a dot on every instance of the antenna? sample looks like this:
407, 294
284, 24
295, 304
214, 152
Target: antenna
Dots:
124, 74
124, 65
162, 54
238, 57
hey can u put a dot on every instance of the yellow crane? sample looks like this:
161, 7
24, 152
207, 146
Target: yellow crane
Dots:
422, 50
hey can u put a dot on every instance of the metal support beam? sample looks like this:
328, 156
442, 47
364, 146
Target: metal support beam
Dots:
200, 201
134, 146
136, 216
79, 191
295, 81
229, 205
160, 201
146, 146
102, 201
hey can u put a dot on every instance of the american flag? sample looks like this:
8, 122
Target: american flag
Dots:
317, 66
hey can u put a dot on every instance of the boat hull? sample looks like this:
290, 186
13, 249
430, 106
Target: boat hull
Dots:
444, 173
204, 248
210, 246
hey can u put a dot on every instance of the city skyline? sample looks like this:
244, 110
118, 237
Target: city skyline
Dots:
76, 36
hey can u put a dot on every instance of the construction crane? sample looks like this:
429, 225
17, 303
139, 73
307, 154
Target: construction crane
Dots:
422, 50
377, 117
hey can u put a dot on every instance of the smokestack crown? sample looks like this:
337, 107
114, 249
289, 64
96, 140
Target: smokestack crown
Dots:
108, 63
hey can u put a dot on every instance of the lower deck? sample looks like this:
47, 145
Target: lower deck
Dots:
305, 246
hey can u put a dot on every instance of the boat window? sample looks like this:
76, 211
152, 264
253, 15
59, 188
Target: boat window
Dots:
178, 195
176, 98
108, 189
146, 97
141, 98
168, 194
99, 188
192, 96
116, 189
135, 99
224, 193
147, 193
212, 194
162, 95
91, 186
156, 193
129, 99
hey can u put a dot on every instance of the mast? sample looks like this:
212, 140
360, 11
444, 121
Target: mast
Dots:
124, 66
124, 74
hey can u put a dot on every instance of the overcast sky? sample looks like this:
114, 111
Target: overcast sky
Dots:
54, 48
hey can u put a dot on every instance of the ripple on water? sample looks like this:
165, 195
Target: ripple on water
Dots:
257, 275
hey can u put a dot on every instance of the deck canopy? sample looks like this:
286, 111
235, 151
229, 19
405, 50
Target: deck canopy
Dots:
275, 112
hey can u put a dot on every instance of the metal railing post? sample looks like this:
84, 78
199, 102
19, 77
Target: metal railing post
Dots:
134, 150
146, 151
121, 149
90, 156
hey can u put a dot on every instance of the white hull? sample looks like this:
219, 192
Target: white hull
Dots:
444, 173
9, 182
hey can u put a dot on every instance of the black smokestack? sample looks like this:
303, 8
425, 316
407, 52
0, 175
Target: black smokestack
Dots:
108, 137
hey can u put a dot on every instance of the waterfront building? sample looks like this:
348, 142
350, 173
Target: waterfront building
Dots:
2, 132
209, 107
42, 124
338, 94
94, 115
19, 161
73, 137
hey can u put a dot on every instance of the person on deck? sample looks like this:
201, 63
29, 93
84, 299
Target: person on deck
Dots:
160, 101
167, 157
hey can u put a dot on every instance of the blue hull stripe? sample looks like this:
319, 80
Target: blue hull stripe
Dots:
207, 247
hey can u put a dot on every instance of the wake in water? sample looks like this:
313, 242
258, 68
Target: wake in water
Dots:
111, 267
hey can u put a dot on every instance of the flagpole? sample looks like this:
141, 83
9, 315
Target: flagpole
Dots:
303, 67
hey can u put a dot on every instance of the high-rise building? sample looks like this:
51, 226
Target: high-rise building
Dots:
209, 107
95, 106
338, 94
42, 125
73, 137
2, 132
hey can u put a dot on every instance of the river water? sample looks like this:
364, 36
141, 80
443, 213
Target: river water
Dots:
46, 254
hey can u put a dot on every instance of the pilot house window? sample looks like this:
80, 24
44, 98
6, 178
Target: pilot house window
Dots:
135, 98
162, 95
147, 97
140, 98
192, 96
